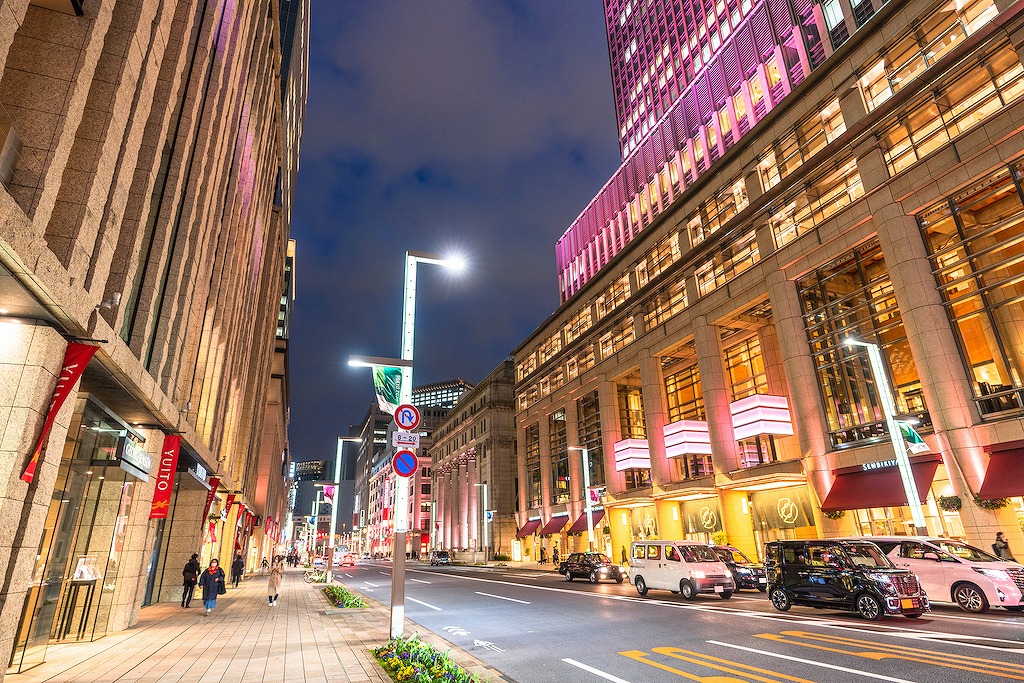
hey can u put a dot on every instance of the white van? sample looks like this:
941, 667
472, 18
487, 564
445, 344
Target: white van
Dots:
952, 571
685, 567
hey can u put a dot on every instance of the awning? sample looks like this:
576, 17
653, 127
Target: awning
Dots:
528, 528
1004, 477
876, 488
580, 525
554, 525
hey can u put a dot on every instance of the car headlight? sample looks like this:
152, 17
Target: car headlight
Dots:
884, 581
742, 570
992, 573
698, 574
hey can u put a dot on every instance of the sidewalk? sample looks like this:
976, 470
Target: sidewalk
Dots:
304, 639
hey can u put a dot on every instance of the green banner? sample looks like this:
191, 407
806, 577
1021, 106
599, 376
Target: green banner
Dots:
387, 380
915, 444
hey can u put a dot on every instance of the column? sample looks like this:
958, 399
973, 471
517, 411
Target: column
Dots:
463, 506
437, 486
449, 506
772, 359
577, 496
717, 396
546, 486
611, 431
655, 416
474, 507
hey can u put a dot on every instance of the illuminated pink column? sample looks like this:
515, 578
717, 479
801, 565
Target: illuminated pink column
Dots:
463, 506
474, 510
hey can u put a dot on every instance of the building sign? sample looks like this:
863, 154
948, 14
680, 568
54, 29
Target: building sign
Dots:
165, 477
138, 460
878, 465
703, 516
76, 357
788, 508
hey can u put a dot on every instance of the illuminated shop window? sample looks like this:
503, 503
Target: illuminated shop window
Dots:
531, 451
588, 411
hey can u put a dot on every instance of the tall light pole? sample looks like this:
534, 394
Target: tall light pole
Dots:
401, 517
895, 433
486, 523
336, 482
586, 493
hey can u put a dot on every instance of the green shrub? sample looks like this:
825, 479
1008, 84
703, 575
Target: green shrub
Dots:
410, 659
502, 557
340, 597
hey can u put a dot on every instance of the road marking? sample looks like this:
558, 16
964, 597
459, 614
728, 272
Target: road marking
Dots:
425, 604
419, 580
502, 597
596, 672
823, 665
349, 575
728, 665
371, 584
384, 573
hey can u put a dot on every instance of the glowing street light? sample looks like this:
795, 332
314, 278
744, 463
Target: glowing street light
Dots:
334, 503
895, 433
586, 492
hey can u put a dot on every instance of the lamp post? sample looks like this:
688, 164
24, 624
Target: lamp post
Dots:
486, 537
401, 517
895, 434
586, 493
336, 482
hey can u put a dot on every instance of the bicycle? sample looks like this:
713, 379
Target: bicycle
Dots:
315, 576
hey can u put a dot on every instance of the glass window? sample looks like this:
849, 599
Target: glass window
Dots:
631, 413
559, 448
531, 450
639, 552
685, 400
654, 552
745, 367
588, 411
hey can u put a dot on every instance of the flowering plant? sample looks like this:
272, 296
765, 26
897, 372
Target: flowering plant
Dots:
343, 598
410, 659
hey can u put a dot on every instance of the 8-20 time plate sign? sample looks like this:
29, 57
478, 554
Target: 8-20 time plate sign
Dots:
405, 463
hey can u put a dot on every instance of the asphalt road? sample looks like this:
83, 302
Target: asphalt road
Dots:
535, 626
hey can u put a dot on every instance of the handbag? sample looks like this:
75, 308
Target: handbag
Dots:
221, 588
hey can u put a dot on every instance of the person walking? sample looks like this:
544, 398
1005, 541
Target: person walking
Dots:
543, 554
554, 555
1001, 548
274, 583
264, 565
212, 583
190, 575
237, 567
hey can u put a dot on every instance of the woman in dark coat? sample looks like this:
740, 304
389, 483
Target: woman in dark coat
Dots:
189, 575
212, 583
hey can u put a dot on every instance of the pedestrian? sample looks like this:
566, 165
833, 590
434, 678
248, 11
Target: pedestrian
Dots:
554, 555
274, 584
237, 567
1001, 548
190, 575
212, 583
543, 554
264, 566
624, 558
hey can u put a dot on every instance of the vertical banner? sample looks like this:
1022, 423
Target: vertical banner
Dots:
76, 357
387, 381
329, 495
165, 477
231, 501
214, 483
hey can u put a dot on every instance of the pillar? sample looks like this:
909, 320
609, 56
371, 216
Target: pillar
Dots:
737, 521
473, 492
717, 395
611, 432
655, 416
670, 522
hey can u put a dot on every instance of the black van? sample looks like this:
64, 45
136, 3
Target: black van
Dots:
841, 574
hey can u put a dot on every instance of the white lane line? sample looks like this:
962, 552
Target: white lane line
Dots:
502, 597
384, 573
596, 672
425, 604
419, 580
371, 584
349, 575
878, 677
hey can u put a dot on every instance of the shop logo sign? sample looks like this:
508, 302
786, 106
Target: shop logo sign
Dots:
165, 477
788, 510
708, 518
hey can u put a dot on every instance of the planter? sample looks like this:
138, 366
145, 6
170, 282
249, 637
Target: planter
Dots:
410, 659
340, 597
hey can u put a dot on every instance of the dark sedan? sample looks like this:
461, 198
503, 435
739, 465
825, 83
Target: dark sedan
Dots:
745, 572
593, 566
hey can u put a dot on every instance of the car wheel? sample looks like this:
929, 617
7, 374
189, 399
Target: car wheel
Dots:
618, 579
687, 590
641, 585
725, 595
568, 576
869, 607
970, 598
780, 599
594, 578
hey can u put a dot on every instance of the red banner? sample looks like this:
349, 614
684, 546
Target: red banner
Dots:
231, 501
76, 357
214, 483
165, 477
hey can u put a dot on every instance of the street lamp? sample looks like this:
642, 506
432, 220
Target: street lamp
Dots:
586, 492
486, 540
334, 502
895, 434
401, 517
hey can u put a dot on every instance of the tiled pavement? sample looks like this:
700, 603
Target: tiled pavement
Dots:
243, 641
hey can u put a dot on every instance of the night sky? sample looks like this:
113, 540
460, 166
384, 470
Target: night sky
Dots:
483, 127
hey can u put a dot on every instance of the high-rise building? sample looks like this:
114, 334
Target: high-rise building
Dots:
440, 394
143, 260
796, 173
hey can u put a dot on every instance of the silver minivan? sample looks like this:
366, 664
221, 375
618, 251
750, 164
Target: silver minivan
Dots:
685, 567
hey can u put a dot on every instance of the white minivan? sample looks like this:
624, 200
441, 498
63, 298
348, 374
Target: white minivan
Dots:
686, 567
952, 571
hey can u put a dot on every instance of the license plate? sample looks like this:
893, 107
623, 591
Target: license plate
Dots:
762, 580
719, 589
908, 603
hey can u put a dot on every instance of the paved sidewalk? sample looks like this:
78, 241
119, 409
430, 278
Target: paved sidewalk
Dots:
244, 640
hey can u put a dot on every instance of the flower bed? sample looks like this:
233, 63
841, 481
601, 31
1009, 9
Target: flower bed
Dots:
340, 597
410, 659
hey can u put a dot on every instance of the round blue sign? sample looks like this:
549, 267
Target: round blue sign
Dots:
405, 463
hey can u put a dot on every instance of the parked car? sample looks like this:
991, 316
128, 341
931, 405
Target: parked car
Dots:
841, 574
348, 560
594, 566
745, 572
685, 567
439, 557
954, 571
320, 562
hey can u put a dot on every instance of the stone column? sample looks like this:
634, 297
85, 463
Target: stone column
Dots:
717, 396
611, 431
577, 496
463, 506
546, 486
655, 416
473, 521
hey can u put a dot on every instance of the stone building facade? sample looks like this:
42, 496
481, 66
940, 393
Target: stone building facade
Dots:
845, 170
142, 213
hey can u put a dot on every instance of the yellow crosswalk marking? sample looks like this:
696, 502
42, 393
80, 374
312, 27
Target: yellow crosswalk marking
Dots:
748, 673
